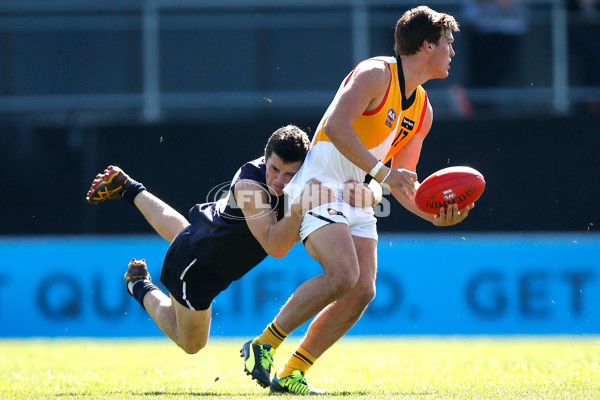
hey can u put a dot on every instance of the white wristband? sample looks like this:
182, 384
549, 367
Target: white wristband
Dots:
388, 174
376, 169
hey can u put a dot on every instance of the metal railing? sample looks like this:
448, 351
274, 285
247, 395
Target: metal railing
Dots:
152, 17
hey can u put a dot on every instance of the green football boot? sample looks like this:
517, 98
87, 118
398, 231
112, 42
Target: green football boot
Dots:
294, 383
258, 360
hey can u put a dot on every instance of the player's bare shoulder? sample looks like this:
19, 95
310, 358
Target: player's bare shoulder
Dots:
371, 79
373, 72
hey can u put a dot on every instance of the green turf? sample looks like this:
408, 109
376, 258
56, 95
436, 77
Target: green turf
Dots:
366, 368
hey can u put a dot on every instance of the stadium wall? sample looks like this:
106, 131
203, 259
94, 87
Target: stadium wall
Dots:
465, 283
542, 174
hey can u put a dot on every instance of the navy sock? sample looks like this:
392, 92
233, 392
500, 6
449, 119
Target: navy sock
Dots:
132, 190
140, 288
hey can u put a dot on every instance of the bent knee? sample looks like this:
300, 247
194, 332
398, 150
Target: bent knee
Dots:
192, 347
368, 294
341, 284
363, 294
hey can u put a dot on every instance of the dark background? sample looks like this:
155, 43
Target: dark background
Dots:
541, 174
182, 105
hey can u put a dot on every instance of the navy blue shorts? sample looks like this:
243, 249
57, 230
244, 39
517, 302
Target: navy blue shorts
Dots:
187, 279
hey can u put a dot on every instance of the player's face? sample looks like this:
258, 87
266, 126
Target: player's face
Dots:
279, 173
442, 55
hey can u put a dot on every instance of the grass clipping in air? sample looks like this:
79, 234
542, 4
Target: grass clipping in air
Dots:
355, 368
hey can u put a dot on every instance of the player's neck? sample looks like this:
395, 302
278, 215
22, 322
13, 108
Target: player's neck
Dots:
415, 73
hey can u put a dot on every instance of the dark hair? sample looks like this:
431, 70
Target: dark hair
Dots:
290, 143
419, 24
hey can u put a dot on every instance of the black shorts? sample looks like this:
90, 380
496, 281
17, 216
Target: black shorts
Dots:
188, 280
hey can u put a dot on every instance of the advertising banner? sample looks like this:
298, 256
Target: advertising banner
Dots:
426, 284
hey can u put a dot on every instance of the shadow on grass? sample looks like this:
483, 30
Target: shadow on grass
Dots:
332, 394
156, 393
374, 394
159, 393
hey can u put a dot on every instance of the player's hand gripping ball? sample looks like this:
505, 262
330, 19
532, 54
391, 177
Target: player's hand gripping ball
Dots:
460, 185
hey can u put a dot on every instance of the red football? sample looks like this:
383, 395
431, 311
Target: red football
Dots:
460, 185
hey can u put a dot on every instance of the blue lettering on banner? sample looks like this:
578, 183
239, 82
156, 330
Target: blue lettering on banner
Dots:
426, 284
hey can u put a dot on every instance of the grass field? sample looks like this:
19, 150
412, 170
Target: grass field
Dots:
362, 368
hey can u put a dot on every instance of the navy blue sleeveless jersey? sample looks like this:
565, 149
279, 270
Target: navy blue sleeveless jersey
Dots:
219, 235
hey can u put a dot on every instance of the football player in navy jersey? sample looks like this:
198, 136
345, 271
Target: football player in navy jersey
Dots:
200, 263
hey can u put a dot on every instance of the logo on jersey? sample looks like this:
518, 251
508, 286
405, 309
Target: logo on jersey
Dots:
407, 123
331, 211
391, 117
223, 196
